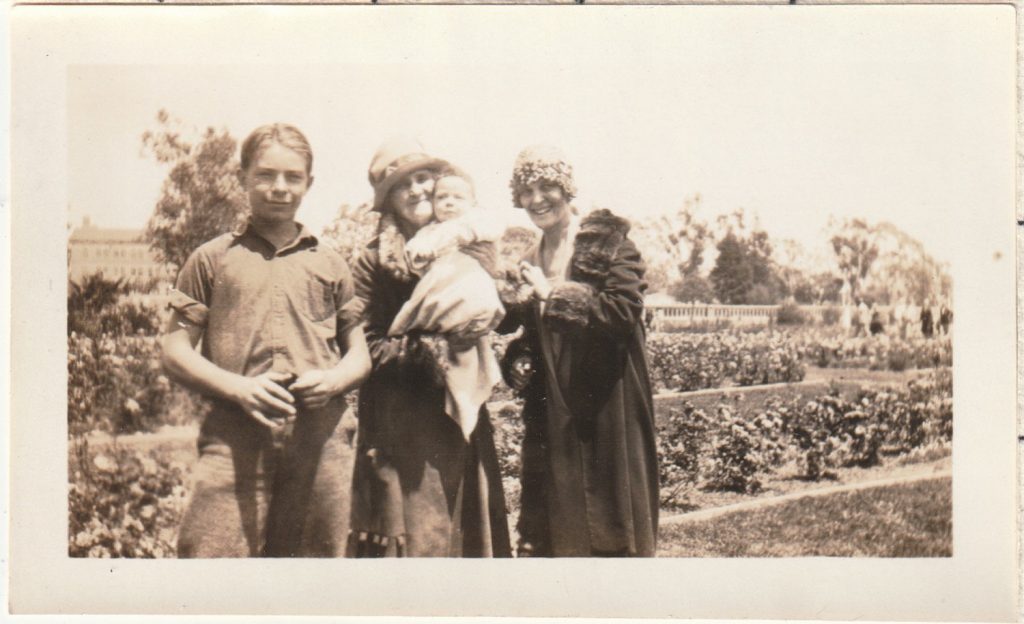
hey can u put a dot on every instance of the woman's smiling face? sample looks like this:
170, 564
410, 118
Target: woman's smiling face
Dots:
410, 199
545, 202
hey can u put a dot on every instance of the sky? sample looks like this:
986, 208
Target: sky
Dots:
794, 120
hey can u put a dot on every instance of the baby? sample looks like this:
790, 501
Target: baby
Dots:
456, 297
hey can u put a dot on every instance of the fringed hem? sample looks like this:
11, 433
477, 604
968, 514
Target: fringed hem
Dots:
370, 545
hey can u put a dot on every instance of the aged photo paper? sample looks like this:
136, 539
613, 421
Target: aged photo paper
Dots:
787, 120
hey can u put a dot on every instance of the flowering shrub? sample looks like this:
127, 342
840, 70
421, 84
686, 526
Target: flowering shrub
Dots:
684, 362
736, 447
832, 431
115, 380
116, 384
123, 502
740, 452
879, 352
767, 361
920, 417
682, 437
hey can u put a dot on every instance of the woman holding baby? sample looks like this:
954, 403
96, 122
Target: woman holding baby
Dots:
590, 473
426, 479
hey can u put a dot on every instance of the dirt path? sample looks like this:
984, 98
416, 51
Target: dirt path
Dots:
922, 473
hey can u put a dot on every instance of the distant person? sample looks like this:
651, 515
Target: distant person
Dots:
275, 452
927, 321
913, 316
846, 320
899, 318
861, 319
876, 325
945, 319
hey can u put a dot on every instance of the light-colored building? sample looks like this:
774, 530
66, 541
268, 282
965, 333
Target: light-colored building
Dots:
116, 253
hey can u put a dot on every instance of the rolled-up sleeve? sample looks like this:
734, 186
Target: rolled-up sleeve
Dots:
190, 296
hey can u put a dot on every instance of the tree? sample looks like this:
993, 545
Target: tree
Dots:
904, 270
744, 272
201, 196
672, 246
855, 244
692, 289
351, 230
733, 275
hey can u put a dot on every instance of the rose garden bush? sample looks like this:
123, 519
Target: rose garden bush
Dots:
124, 502
881, 352
684, 362
735, 448
116, 385
115, 381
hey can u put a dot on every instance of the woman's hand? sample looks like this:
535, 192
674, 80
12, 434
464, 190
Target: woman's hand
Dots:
420, 251
315, 388
535, 277
264, 398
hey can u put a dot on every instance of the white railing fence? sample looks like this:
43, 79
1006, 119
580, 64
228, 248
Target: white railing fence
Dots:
712, 312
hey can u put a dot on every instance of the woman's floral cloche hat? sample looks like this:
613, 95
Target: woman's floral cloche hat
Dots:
542, 162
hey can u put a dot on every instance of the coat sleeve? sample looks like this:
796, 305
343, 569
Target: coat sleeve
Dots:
615, 307
398, 354
385, 352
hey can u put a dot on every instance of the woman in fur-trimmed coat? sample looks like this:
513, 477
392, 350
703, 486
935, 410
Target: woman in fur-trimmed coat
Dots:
590, 471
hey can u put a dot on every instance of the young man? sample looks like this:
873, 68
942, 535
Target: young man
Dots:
275, 451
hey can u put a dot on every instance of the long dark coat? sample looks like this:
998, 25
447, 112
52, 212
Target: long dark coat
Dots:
590, 471
419, 488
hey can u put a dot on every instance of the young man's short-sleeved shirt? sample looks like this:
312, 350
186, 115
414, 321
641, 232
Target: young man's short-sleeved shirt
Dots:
263, 308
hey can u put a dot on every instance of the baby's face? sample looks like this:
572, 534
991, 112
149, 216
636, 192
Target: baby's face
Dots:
453, 196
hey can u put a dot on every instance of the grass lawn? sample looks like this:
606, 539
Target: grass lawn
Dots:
906, 520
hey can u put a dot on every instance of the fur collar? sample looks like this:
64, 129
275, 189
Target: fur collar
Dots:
391, 247
596, 244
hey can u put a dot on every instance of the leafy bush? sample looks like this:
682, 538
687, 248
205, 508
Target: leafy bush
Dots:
100, 306
692, 288
682, 436
764, 362
738, 446
830, 315
684, 325
123, 502
735, 461
789, 313
879, 352
684, 362
117, 385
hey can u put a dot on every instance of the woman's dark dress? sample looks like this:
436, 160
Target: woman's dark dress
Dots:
419, 489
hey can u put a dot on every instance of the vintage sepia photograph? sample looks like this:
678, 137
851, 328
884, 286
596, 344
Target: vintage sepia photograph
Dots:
667, 283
